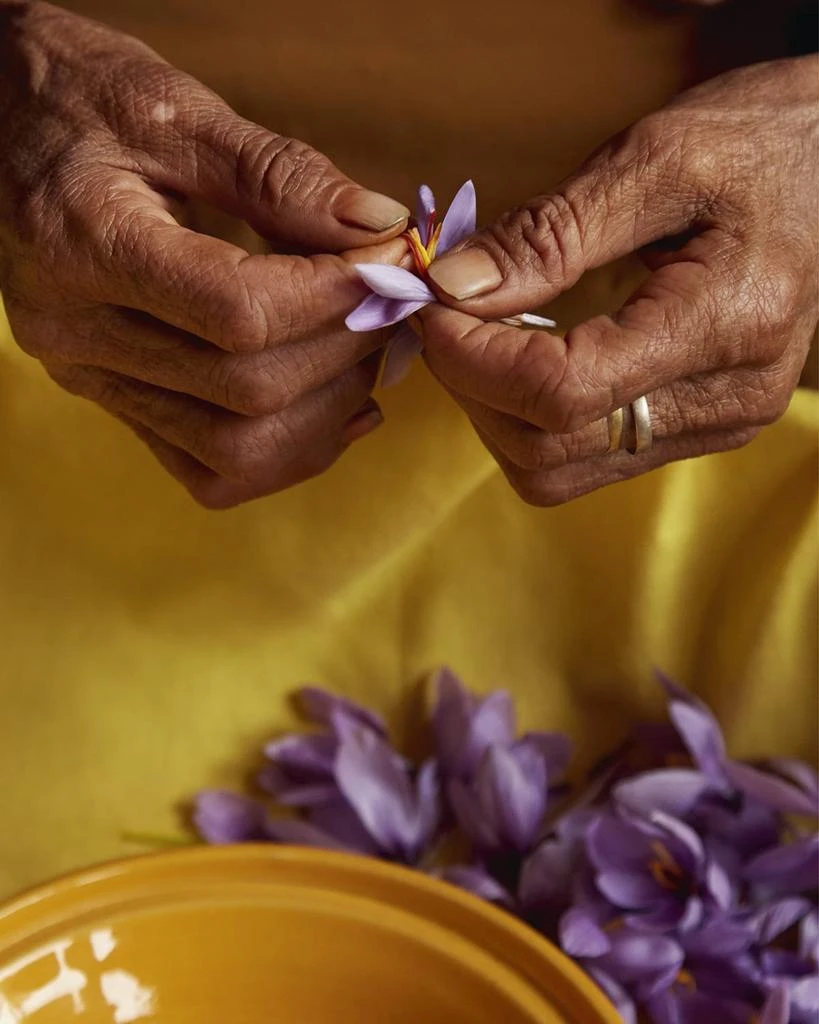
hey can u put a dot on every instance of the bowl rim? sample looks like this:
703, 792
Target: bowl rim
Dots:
173, 873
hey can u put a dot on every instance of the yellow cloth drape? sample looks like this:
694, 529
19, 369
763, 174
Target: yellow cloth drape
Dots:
147, 646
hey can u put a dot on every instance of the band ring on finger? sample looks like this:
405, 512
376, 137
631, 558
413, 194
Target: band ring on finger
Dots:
639, 426
616, 423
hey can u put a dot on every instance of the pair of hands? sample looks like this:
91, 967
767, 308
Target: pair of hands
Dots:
237, 370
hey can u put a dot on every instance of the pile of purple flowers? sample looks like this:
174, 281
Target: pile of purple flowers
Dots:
683, 881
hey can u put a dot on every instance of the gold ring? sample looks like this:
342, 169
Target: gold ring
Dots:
616, 421
643, 434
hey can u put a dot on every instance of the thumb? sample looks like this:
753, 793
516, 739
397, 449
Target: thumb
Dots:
621, 199
283, 188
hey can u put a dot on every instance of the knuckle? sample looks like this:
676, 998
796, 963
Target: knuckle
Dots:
233, 314
251, 387
780, 298
659, 145
238, 449
544, 237
536, 450
282, 170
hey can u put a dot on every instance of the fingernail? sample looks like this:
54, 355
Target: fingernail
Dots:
371, 210
464, 275
365, 421
416, 324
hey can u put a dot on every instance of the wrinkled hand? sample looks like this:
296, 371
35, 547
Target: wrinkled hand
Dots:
718, 190
235, 369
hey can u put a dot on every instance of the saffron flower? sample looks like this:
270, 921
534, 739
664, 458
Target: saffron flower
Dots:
688, 892
398, 293
466, 726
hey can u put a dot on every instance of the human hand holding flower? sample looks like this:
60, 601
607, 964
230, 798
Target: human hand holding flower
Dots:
717, 193
234, 368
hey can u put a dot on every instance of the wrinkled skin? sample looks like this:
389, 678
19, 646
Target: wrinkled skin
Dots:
235, 369
717, 192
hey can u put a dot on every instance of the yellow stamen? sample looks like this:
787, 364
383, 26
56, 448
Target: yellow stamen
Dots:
665, 871
432, 248
419, 253
686, 980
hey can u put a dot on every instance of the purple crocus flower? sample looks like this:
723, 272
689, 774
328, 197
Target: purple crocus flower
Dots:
790, 787
300, 768
398, 293
502, 810
656, 871
382, 806
466, 726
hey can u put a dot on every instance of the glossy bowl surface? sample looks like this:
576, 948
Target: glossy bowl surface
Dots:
277, 935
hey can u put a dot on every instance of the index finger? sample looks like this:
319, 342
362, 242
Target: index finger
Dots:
216, 290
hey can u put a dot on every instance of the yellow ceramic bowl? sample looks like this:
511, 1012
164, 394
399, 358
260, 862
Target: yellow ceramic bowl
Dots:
277, 935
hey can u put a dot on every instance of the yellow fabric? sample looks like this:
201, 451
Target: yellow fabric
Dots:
147, 646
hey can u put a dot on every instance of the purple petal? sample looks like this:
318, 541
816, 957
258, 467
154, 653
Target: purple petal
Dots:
402, 350
465, 727
461, 218
337, 820
615, 844
451, 721
777, 1008
221, 817
809, 936
719, 937
429, 808
616, 993
295, 832
425, 212
471, 817
394, 282
581, 936
376, 312
321, 706
652, 959
779, 964
802, 774
375, 781
632, 891
703, 737
789, 868
770, 790
305, 757
688, 847
805, 997
719, 886
479, 882
512, 790
492, 725
670, 915
672, 790
741, 833
546, 875
771, 921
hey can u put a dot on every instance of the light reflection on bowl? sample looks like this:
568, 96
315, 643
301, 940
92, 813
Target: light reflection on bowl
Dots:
277, 935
